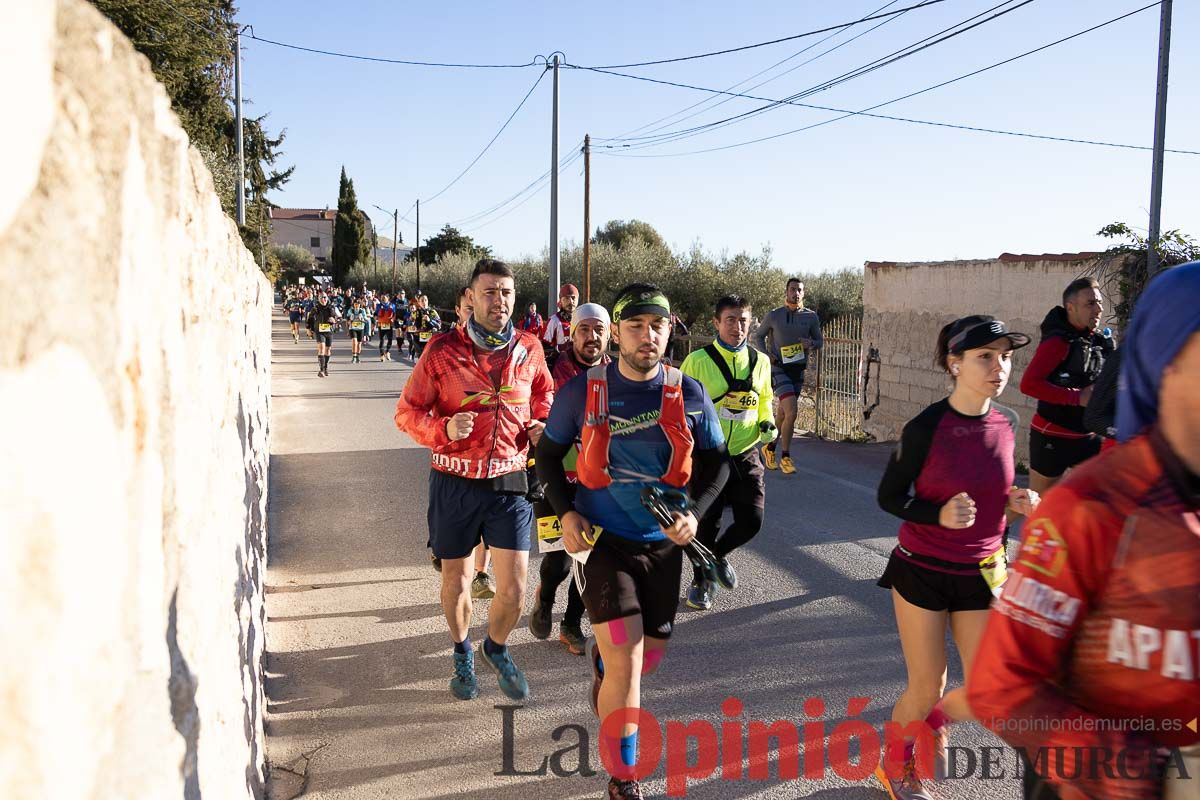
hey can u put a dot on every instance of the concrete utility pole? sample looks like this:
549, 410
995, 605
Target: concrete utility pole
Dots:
395, 231
241, 150
418, 245
555, 277
1160, 137
587, 218
375, 249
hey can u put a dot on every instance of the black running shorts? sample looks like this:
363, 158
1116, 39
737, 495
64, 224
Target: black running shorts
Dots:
935, 590
1053, 455
357, 334
623, 578
325, 338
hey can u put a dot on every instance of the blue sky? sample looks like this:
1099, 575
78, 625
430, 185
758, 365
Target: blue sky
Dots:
851, 191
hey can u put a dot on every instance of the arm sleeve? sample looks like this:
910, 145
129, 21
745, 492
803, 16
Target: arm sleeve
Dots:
553, 475
1036, 381
541, 396
817, 337
1101, 412
759, 339
896, 495
710, 471
1015, 684
415, 414
762, 387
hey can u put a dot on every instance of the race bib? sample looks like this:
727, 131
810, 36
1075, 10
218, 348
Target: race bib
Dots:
385, 326
412, 328
739, 407
793, 353
549, 533
994, 570
357, 326
426, 336
324, 327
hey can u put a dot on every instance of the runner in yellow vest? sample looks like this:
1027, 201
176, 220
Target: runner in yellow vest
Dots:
738, 379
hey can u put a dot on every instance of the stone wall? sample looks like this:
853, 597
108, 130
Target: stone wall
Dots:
134, 369
906, 305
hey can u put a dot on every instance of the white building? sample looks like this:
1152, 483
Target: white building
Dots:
308, 228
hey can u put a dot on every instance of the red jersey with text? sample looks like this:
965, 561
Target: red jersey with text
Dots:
448, 379
1100, 618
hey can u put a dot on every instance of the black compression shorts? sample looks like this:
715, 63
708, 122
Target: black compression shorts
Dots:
623, 578
1053, 455
935, 590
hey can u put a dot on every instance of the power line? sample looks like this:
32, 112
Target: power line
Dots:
578, 155
763, 71
533, 63
871, 66
765, 44
467, 169
866, 112
470, 218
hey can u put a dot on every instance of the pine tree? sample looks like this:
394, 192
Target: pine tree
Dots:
350, 242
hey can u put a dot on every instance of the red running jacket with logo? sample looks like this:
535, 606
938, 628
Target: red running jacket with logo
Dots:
448, 380
1095, 640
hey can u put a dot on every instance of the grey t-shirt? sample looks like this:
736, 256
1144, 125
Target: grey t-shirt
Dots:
786, 328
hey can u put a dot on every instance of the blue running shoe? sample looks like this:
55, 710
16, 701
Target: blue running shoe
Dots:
700, 595
463, 685
511, 679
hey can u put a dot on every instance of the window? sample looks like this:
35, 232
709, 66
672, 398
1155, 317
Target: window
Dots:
314, 241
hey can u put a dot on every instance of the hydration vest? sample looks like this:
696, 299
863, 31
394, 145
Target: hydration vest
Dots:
592, 466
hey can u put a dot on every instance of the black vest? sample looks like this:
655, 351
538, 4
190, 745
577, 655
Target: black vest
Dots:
1085, 358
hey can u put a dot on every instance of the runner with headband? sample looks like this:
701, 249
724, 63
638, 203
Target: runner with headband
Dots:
641, 425
951, 481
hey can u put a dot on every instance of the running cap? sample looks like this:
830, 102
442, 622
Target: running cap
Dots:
568, 289
589, 311
648, 301
966, 335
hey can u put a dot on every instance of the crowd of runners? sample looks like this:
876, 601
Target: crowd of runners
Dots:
577, 435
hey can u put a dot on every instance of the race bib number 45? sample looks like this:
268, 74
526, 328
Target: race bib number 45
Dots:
792, 353
549, 534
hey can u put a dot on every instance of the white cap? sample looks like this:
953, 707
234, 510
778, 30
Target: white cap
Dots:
589, 311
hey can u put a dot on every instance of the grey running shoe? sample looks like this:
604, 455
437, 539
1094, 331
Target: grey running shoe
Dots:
700, 596
572, 637
482, 588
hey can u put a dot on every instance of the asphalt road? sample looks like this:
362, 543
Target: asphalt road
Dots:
359, 658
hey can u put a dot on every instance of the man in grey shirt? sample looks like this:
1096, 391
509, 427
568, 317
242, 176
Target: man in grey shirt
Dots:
794, 331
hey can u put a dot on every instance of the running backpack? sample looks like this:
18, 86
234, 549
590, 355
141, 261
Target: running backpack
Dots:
592, 464
731, 384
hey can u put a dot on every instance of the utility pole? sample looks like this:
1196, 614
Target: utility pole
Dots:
375, 249
418, 245
1160, 138
555, 277
587, 218
395, 228
241, 151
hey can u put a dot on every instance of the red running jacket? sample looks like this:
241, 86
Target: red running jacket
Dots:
1095, 641
447, 380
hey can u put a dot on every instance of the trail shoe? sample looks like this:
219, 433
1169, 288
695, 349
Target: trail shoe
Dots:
786, 466
769, 459
572, 637
624, 790
482, 588
700, 596
907, 787
539, 617
722, 572
512, 681
593, 654
463, 685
